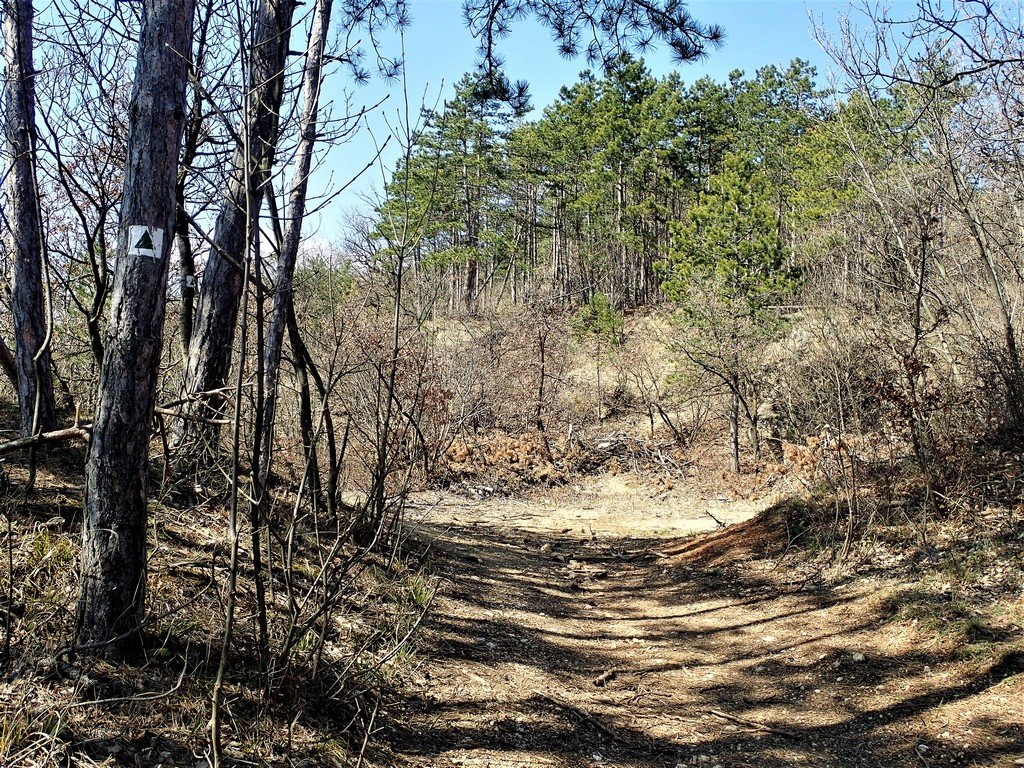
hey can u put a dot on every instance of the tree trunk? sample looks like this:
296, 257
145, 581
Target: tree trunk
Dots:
472, 241
113, 549
308, 429
213, 335
37, 412
311, 83
734, 432
187, 267
8, 365
195, 127
309, 370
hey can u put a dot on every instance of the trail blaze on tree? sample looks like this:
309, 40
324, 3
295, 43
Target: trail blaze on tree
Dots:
113, 588
822, 289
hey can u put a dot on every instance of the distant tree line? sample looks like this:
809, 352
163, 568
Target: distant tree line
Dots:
490, 208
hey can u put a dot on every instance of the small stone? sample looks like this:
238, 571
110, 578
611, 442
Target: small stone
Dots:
858, 657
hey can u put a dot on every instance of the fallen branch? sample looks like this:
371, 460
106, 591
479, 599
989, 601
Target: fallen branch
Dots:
717, 521
160, 410
606, 677
46, 438
755, 725
582, 714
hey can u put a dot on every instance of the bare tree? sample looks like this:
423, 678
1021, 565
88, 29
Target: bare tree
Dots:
113, 549
216, 313
606, 27
83, 112
29, 293
311, 85
957, 70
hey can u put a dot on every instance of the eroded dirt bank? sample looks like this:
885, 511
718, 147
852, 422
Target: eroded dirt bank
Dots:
580, 629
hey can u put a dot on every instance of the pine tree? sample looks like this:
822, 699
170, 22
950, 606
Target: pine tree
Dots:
728, 267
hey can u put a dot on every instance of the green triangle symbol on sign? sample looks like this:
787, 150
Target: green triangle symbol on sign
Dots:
145, 242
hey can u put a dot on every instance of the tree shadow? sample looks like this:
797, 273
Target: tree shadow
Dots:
709, 636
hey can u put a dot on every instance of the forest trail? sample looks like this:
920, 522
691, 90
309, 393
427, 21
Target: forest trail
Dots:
571, 631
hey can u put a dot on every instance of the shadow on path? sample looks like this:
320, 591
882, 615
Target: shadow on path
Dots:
702, 663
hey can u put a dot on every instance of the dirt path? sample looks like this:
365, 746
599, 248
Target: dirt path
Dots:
542, 598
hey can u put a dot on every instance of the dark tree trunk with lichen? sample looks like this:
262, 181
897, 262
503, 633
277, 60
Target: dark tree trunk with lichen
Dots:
111, 603
37, 412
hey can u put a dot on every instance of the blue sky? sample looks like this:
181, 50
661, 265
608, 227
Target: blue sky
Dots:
439, 49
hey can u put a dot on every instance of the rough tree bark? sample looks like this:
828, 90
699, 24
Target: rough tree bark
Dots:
8, 365
37, 411
113, 549
216, 315
311, 83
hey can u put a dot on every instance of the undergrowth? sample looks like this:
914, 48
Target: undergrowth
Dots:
336, 644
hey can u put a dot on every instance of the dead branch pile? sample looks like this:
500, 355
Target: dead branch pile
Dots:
500, 459
620, 452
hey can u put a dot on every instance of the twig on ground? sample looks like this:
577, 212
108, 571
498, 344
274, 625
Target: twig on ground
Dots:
754, 724
717, 521
582, 714
140, 698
